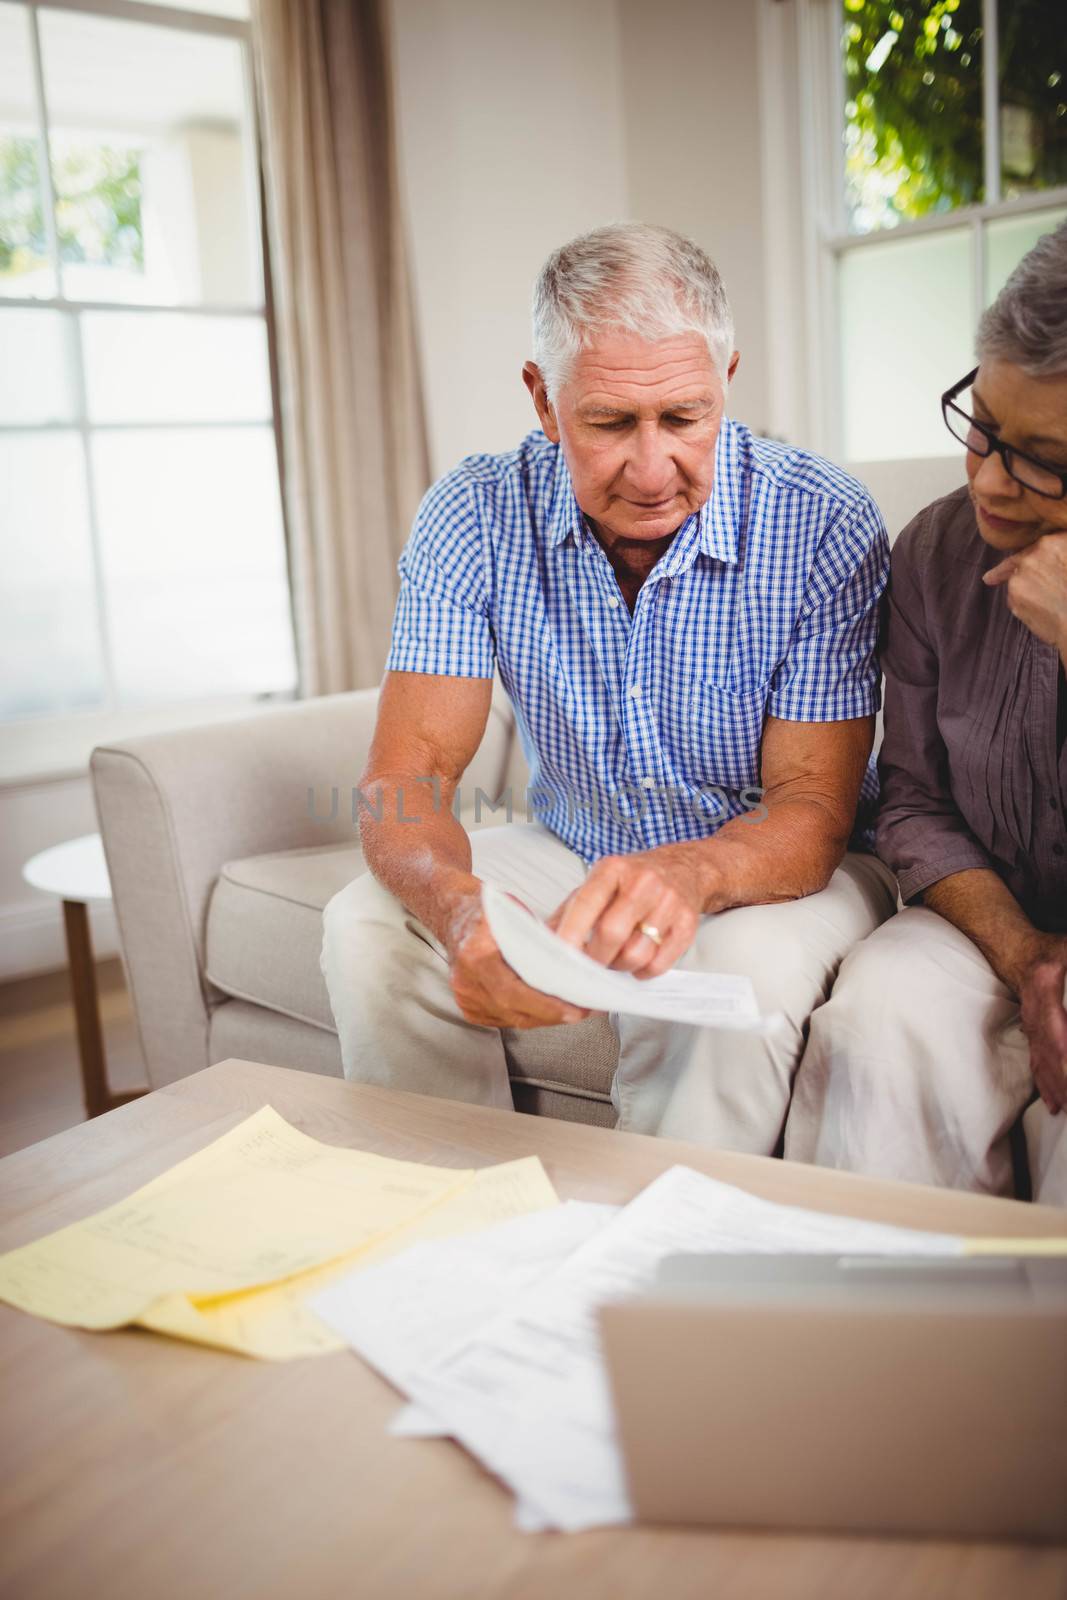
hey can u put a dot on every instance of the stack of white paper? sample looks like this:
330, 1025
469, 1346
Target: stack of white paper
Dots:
546, 963
502, 1353
402, 1315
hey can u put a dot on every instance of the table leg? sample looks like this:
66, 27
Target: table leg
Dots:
98, 1097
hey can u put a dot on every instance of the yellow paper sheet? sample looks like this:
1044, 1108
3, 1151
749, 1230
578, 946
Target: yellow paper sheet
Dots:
275, 1324
263, 1203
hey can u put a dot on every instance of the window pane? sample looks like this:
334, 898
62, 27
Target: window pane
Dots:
194, 562
907, 332
218, 8
24, 266
36, 380
150, 163
1033, 95
170, 367
913, 112
1008, 239
49, 645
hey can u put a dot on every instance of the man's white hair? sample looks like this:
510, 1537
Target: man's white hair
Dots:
632, 277
1027, 322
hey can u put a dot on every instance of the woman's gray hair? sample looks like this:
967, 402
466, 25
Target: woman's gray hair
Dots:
632, 277
1027, 322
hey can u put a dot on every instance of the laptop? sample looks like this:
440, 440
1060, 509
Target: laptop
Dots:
849, 1394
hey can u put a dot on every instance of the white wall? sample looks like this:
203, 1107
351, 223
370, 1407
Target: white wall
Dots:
691, 117
521, 126
511, 142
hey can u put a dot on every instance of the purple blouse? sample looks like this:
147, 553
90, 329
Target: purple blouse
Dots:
973, 766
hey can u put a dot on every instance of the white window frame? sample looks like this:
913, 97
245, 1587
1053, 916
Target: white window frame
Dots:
805, 221
52, 745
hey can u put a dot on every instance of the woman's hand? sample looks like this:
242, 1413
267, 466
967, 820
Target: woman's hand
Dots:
1044, 1021
1036, 581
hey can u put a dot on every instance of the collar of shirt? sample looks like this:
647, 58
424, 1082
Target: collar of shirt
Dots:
711, 531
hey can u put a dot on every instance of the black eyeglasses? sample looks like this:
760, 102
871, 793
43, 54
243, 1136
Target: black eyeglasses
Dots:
1039, 476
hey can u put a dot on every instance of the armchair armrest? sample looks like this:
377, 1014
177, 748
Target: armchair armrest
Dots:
175, 807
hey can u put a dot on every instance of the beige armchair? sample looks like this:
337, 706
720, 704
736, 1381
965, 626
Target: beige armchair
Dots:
224, 843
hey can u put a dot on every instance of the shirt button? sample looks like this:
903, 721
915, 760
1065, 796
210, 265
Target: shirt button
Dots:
648, 783
613, 603
1057, 849
1052, 804
635, 691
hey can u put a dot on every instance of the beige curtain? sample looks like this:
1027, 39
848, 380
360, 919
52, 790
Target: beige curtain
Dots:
352, 429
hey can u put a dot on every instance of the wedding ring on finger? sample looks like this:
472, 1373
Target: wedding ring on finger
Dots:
651, 933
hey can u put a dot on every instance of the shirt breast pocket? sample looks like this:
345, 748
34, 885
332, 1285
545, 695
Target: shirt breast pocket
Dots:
723, 735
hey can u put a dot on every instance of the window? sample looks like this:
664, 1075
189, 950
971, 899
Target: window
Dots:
141, 530
951, 163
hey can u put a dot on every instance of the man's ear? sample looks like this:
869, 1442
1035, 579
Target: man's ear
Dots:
732, 368
546, 415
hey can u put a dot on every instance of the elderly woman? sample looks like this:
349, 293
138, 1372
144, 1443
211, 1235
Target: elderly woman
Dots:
944, 1022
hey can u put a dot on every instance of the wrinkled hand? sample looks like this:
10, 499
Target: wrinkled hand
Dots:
1036, 580
487, 990
1044, 1021
605, 915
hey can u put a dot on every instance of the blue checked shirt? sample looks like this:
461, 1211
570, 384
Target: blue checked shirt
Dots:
643, 730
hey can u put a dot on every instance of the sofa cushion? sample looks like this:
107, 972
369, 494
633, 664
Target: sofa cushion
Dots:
252, 1033
264, 924
264, 937
264, 928
579, 1060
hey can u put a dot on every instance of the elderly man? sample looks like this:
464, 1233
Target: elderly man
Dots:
683, 616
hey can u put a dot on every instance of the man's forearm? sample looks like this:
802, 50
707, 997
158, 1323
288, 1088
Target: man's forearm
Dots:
981, 905
792, 851
416, 847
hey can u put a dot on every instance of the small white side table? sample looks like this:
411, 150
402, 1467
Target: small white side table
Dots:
76, 873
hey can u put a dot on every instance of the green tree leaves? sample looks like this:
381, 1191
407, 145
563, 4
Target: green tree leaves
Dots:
914, 112
98, 204
913, 139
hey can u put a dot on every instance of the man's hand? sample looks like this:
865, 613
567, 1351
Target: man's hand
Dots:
487, 990
622, 897
1036, 592
1044, 1021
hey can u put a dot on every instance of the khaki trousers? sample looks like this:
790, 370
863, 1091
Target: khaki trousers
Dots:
399, 1024
917, 1068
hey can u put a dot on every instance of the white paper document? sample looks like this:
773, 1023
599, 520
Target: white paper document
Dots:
528, 1395
544, 961
404, 1313
412, 1422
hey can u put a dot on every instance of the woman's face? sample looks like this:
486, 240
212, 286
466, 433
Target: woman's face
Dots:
1031, 414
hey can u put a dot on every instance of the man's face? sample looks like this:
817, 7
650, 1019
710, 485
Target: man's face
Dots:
637, 423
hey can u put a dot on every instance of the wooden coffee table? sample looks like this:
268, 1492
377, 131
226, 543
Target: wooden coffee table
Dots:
137, 1466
